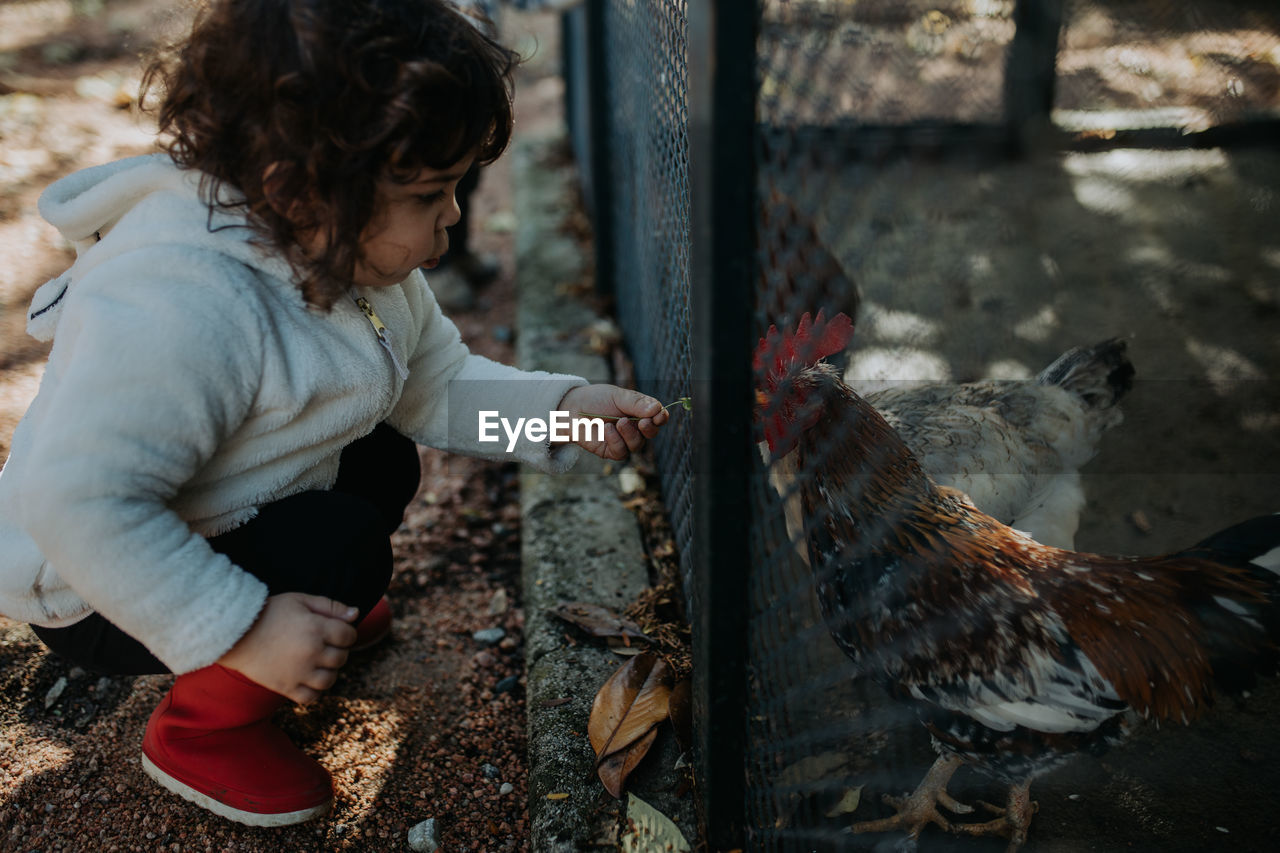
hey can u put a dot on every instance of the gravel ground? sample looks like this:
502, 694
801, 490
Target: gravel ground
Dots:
429, 725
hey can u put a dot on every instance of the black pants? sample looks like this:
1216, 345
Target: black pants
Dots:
332, 543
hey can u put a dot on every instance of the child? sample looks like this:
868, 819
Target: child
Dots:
245, 353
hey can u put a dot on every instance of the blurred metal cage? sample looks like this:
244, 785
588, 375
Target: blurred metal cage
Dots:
981, 184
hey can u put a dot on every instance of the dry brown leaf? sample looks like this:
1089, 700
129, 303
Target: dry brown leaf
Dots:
1139, 519
598, 621
666, 548
615, 768
632, 701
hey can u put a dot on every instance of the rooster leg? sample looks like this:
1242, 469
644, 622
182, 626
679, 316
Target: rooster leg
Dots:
921, 807
1014, 820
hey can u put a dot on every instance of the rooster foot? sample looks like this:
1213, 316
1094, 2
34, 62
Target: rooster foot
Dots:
1013, 822
921, 806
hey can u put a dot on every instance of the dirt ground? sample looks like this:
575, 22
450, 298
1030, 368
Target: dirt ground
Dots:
430, 724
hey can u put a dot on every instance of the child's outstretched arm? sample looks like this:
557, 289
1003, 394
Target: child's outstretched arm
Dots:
296, 646
631, 417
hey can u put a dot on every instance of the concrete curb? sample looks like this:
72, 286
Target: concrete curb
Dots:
579, 543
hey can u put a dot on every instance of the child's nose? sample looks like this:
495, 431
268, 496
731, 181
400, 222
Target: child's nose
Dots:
454, 214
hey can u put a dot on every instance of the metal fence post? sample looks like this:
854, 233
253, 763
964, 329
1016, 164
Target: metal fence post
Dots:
1031, 69
722, 95
574, 77
600, 120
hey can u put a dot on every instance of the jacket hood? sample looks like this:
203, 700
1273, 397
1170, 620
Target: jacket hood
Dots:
106, 211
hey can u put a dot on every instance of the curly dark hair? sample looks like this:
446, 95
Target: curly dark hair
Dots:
304, 105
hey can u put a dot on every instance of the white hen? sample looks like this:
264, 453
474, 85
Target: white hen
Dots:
1016, 447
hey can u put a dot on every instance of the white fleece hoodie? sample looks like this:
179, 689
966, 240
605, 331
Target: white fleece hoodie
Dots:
188, 385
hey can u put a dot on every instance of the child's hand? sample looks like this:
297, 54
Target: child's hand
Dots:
297, 645
630, 417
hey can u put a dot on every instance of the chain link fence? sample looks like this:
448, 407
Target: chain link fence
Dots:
981, 185
628, 118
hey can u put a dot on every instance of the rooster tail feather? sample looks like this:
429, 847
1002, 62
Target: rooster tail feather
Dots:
1243, 631
1255, 542
1100, 375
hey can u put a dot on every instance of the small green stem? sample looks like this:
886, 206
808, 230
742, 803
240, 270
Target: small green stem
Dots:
685, 402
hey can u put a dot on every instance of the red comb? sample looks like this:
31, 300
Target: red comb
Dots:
812, 340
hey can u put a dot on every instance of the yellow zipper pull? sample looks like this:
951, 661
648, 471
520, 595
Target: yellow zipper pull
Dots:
367, 308
384, 336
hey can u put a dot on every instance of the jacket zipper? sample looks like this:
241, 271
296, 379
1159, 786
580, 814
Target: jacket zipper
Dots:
384, 335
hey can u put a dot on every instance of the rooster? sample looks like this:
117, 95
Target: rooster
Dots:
1016, 655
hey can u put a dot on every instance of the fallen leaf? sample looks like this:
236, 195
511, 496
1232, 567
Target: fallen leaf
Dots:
615, 768
602, 336
499, 603
625, 715
633, 700
598, 621
650, 830
666, 548
813, 768
805, 773
55, 692
629, 480
848, 802
1138, 519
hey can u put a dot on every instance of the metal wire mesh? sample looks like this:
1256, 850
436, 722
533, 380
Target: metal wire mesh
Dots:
648, 174
1190, 65
883, 61
981, 184
888, 189
577, 107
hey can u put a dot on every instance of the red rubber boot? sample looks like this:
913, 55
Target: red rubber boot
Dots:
211, 741
374, 627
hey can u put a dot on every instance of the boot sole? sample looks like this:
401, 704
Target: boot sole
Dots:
372, 642
222, 809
